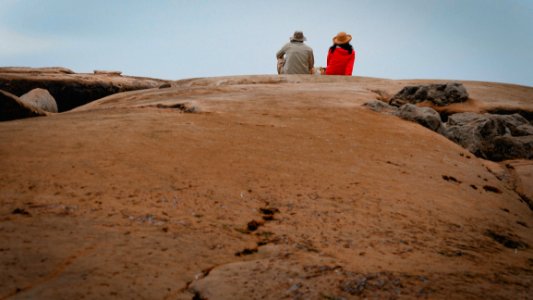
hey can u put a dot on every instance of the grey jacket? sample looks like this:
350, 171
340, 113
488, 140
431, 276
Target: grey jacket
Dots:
299, 58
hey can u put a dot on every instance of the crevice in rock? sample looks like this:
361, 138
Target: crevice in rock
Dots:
197, 296
253, 225
513, 183
450, 178
527, 114
444, 115
21, 211
246, 251
506, 240
492, 189
526, 200
68, 95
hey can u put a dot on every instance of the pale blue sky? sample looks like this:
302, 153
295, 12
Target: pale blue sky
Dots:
488, 40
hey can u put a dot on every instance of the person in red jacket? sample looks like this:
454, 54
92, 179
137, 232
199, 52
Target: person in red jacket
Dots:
341, 56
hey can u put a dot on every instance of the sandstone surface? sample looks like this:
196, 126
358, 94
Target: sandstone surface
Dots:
251, 187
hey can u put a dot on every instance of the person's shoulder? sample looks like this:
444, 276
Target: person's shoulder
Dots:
307, 47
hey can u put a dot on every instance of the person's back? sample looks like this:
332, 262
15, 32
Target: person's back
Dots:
340, 62
341, 56
298, 57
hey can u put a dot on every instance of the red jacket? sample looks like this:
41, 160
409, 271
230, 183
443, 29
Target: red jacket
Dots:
340, 62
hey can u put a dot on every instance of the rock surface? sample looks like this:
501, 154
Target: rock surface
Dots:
40, 98
255, 187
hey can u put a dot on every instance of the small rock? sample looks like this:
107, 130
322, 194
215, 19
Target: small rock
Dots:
380, 106
425, 116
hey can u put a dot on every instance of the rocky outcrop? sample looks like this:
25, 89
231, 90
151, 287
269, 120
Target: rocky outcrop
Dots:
12, 108
438, 94
493, 137
71, 89
40, 98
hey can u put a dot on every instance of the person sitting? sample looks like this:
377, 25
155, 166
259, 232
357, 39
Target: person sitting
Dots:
296, 57
341, 56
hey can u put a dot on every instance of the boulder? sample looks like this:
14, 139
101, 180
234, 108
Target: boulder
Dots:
40, 98
12, 108
425, 116
509, 147
382, 107
493, 137
438, 94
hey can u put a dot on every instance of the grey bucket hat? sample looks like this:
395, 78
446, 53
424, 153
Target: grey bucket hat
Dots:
298, 36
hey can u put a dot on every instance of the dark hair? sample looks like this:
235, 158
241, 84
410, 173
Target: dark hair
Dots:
346, 47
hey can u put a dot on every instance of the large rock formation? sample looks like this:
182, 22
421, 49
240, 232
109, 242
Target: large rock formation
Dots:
71, 89
258, 187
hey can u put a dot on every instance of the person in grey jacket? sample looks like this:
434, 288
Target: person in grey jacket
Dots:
296, 57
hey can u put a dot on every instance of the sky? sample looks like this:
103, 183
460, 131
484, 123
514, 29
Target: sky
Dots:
484, 40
